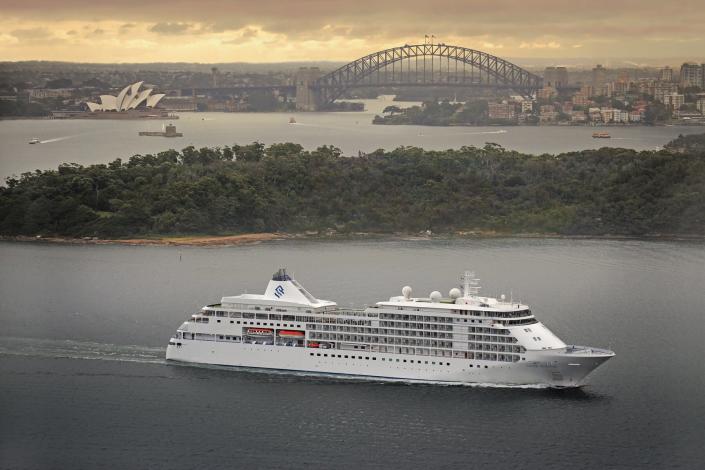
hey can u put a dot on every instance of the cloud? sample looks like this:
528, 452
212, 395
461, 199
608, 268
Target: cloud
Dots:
337, 30
540, 45
31, 34
171, 28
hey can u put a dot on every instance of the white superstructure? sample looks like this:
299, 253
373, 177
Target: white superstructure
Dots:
464, 338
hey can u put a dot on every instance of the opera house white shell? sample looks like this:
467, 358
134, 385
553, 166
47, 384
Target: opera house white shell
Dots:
129, 98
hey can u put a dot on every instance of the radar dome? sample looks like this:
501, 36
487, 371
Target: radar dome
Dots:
454, 293
406, 291
435, 296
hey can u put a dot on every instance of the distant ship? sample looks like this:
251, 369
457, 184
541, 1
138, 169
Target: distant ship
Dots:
169, 131
34, 140
292, 120
462, 338
601, 135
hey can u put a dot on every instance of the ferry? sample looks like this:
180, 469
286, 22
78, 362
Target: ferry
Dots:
464, 338
601, 135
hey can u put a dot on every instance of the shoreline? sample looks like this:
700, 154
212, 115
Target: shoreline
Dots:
256, 238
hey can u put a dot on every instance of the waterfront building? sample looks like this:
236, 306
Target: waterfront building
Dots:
527, 106
548, 116
634, 116
620, 116
661, 89
607, 114
43, 93
178, 103
129, 98
674, 100
504, 111
580, 99
578, 116
700, 103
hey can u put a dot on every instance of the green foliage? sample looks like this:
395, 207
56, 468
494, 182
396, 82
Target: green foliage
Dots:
22, 108
657, 112
283, 187
433, 113
693, 143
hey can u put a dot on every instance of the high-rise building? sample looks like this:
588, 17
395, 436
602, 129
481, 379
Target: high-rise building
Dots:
691, 75
555, 77
599, 77
666, 74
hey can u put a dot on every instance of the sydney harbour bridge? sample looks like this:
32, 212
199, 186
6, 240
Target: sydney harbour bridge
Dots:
430, 65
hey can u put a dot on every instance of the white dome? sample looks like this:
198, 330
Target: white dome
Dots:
454, 293
406, 291
435, 296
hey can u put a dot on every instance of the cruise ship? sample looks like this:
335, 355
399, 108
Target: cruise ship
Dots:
464, 338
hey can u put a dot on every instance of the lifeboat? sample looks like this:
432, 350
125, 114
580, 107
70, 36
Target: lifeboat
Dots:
291, 333
260, 331
313, 344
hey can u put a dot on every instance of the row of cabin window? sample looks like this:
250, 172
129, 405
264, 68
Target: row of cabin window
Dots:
223, 313
487, 357
385, 331
492, 338
346, 356
238, 322
378, 336
472, 313
381, 340
417, 326
495, 348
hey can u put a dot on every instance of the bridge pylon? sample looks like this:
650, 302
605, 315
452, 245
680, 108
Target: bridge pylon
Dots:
308, 98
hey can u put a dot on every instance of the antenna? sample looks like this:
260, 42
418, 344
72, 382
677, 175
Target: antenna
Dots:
471, 284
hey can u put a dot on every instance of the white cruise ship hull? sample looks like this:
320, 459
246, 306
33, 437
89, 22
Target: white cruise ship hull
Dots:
552, 368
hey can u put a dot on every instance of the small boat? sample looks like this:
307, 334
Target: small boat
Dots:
34, 140
291, 334
601, 135
292, 120
259, 331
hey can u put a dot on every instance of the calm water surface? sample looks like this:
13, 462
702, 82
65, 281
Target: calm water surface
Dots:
84, 383
98, 141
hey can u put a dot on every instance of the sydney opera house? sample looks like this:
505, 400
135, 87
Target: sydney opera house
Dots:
130, 98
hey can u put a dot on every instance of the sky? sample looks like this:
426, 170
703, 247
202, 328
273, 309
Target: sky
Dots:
210, 31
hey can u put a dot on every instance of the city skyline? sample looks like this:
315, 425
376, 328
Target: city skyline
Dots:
274, 31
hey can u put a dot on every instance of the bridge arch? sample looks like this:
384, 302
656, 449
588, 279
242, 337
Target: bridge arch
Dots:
494, 71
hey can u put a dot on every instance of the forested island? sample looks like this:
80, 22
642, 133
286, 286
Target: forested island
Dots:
284, 188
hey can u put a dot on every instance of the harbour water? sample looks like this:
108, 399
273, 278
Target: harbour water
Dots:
100, 141
84, 383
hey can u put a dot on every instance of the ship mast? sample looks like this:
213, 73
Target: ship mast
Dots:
471, 284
